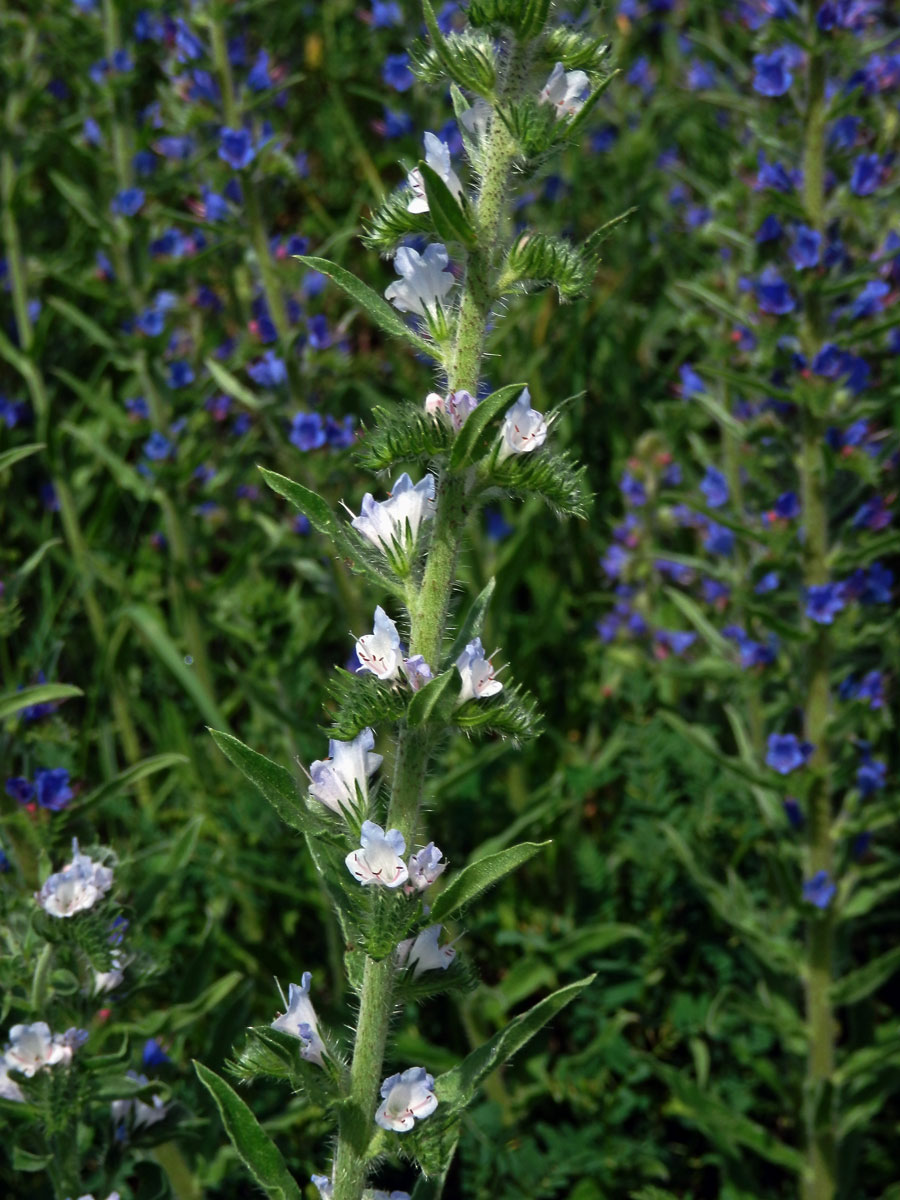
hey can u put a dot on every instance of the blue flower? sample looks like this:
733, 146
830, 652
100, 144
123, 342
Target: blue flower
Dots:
307, 431
187, 45
871, 775
714, 487
770, 582
19, 789
830, 361
52, 788
158, 446
386, 13
787, 506
819, 890
701, 75
824, 602
793, 812
770, 230
604, 138
691, 382
879, 585
181, 373
871, 688
203, 86
806, 248
396, 73
717, 539
870, 300
151, 322
340, 435
772, 175
178, 149
495, 524
91, 132
319, 333
215, 207
773, 76
873, 514
714, 591
395, 124
13, 412
236, 148
128, 202
866, 175
674, 640
633, 490
153, 1054
268, 371
843, 133
259, 79
785, 753
773, 293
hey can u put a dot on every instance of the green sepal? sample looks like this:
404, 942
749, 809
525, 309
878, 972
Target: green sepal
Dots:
277, 784
376, 306
576, 51
458, 979
554, 477
257, 1151
524, 17
403, 434
474, 623
478, 876
392, 222
434, 1141
477, 435
513, 713
269, 1053
467, 57
362, 700
449, 218
434, 702
361, 557
540, 260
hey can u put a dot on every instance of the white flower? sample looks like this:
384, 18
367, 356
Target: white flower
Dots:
78, 886
477, 673
563, 90
337, 779
141, 1114
105, 981
476, 119
325, 1186
33, 1047
456, 406
398, 518
378, 860
417, 672
425, 281
406, 1098
425, 866
9, 1089
524, 429
300, 1020
437, 155
379, 651
423, 952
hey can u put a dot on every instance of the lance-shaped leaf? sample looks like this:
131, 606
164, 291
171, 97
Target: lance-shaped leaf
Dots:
361, 557
477, 434
276, 784
692, 611
376, 306
362, 701
257, 1151
478, 876
41, 693
450, 221
862, 982
434, 1141
232, 385
128, 778
8, 457
591, 245
555, 478
434, 702
474, 622
405, 433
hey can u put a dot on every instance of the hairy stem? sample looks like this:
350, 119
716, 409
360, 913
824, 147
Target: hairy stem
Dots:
428, 605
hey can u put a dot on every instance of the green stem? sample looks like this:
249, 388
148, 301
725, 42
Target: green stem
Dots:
428, 604
819, 1178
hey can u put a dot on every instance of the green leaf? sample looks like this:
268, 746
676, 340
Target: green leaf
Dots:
478, 876
257, 1151
474, 622
434, 702
41, 693
474, 438
8, 457
862, 982
376, 306
703, 740
232, 385
276, 783
591, 245
80, 199
690, 609
26, 1162
450, 221
128, 778
125, 475
159, 640
712, 300
94, 332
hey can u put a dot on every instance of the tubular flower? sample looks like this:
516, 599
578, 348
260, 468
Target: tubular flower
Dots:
406, 1098
564, 90
33, 1047
340, 781
417, 672
425, 280
379, 858
77, 887
425, 866
379, 651
524, 429
423, 953
437, 156
397, 519
300, 1021
478, 680
456, 406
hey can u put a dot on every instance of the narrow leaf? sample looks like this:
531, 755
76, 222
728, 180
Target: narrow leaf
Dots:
478, 876
378, 308
429, 703
474, 622
690, 609
232, 385
128, 778
450, 221
276, 783
159, 640
310, 503
42, 693
257, 1151
18, 453
473, 439
94, 332
79, 198
865, 980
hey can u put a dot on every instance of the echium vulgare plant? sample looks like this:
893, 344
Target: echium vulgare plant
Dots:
520, 87
772, 554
